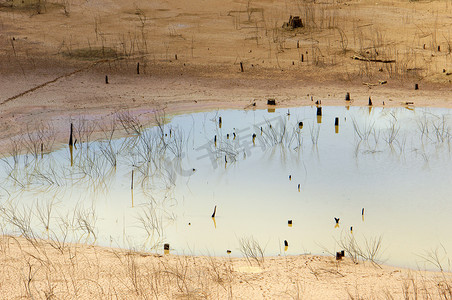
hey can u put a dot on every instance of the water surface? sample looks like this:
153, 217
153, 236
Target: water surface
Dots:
394, 163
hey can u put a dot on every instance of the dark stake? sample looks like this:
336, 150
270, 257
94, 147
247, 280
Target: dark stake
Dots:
225, 159
42, 150
347, 96
351, 229
131, 184
286, 244
227, 136
319, 111
290, 177
416, 86
219, 121
298, 187
370, 102
302, 58
175, 56
271, 102
362, 212
138, 68
106, 79
298, 44
300, 125
233, 135
254, 136
70, 136
215, 139
262, 130
439, 48
337, 220
336, 122
289, 222
241, 66
214, 211
340, 255
228, 251
166, 247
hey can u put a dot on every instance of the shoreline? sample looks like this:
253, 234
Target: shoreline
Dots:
138, 275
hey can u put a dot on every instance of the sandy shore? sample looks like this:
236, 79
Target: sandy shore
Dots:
50, 270
54, 63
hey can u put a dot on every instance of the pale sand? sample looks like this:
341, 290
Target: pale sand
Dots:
210, 38
54, 271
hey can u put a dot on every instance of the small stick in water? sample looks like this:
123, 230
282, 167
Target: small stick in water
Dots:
214, 211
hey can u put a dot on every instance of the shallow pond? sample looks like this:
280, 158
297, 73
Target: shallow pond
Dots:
385, 173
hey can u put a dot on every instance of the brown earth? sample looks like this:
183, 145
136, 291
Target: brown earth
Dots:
53, 62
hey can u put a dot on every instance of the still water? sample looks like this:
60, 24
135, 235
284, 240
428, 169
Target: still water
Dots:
383, 172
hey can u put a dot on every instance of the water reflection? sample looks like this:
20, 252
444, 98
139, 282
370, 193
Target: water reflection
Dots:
143, 190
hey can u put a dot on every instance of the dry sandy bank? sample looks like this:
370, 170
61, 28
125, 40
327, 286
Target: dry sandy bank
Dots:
45, 269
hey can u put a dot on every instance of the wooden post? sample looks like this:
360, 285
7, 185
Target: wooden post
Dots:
416, 86
302, 58
70, 136
214, 211
241, 66
319, 111
175, 56
347, 96
336, 122
106, 79
138, 68
370, 102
